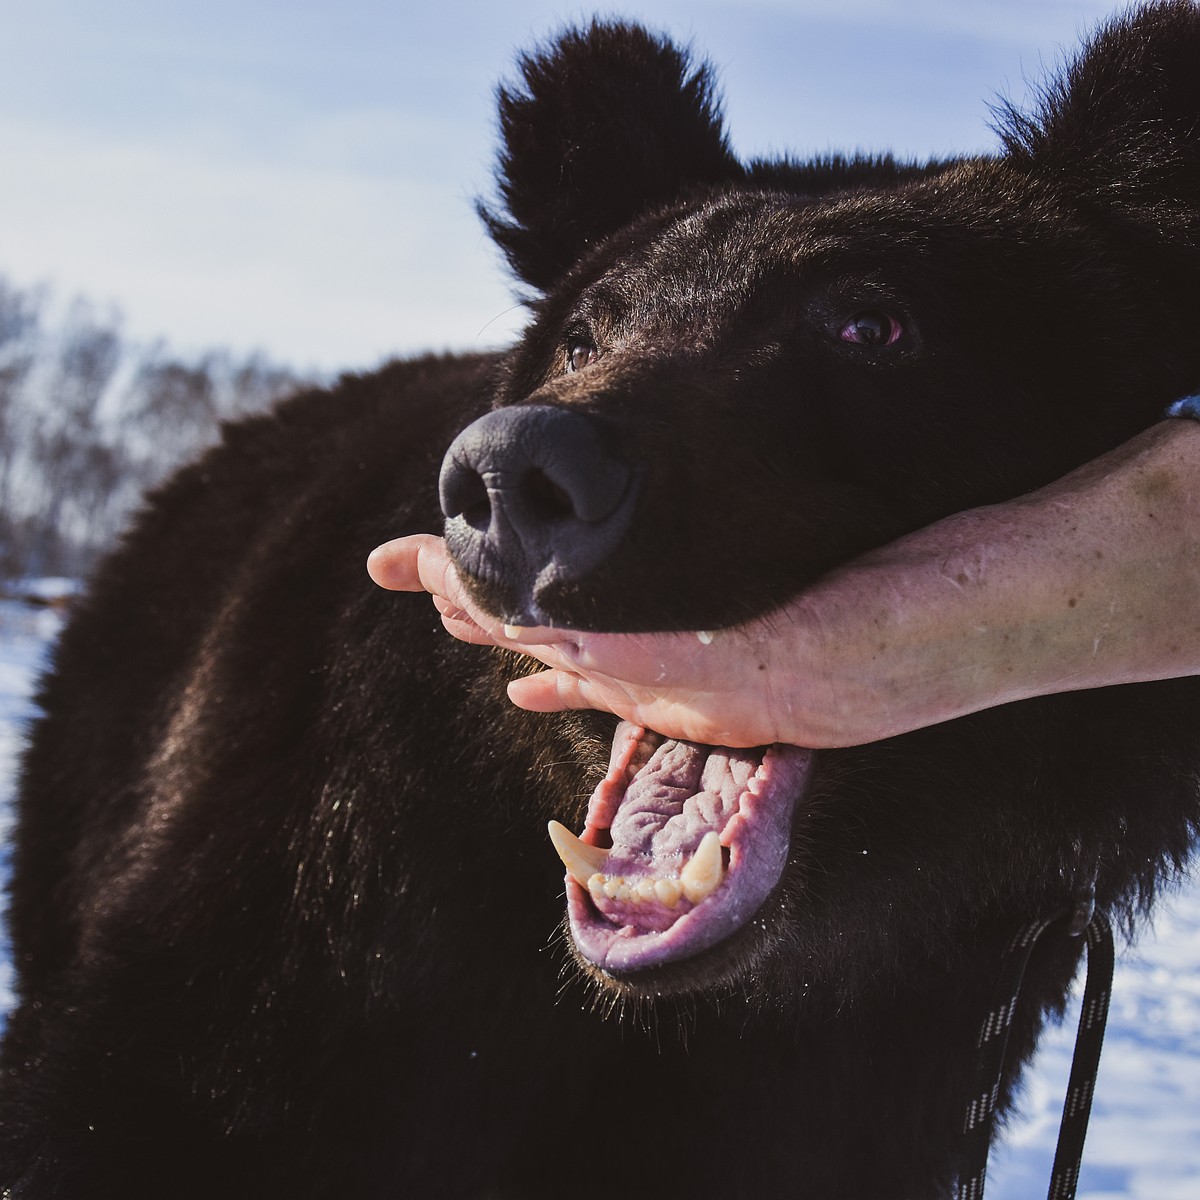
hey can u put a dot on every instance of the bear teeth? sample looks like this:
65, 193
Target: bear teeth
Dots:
581, 860
647, 889
699, 878
705, 869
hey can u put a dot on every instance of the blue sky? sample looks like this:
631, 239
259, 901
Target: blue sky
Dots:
299, 177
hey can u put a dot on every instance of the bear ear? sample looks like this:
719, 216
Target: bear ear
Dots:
1121, 127
611, 122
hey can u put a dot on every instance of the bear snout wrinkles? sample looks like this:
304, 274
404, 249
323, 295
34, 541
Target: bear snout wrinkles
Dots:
532, 495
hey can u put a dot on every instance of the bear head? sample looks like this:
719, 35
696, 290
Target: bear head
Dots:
739, 375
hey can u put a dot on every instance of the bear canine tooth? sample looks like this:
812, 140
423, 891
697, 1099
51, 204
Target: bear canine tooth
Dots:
705, 870
581, 860
512, 632
704, 637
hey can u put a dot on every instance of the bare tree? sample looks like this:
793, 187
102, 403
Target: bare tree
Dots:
170, 411
71, 476
88, 421
20, 334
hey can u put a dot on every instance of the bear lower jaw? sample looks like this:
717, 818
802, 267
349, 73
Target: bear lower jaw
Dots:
682, 846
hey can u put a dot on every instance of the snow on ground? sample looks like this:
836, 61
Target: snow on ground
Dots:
25, 636
1144, 1141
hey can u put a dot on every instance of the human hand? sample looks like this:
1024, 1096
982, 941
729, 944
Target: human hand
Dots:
720, 688
843, 664
1091, 581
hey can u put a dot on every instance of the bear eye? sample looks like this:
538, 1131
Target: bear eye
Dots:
871, 327
581, 353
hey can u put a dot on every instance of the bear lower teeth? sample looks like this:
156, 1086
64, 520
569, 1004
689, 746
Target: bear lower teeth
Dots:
698, 879
635, 891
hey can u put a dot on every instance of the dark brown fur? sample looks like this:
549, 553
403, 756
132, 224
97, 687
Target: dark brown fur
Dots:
285, 917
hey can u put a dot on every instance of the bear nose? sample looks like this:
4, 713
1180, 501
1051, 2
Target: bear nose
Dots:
531, 497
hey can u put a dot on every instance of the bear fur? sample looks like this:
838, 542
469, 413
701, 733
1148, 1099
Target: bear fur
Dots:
285, 917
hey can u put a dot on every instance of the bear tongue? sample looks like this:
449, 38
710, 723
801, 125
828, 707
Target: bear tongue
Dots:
683, 792
683, 844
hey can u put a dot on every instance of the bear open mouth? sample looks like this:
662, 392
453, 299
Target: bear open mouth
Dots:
682, 845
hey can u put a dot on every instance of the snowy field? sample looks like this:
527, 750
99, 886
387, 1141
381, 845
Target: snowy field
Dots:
1144, 1140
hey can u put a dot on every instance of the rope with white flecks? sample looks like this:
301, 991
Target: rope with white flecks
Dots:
980, 1111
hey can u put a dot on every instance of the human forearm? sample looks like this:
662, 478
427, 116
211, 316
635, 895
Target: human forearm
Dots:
1090, 581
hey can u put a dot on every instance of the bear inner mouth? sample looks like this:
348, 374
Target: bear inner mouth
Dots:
682, 845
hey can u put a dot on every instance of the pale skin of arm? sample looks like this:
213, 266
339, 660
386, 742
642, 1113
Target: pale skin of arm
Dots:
1091, 581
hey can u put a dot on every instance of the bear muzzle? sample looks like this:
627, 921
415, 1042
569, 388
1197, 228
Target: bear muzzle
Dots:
532, 497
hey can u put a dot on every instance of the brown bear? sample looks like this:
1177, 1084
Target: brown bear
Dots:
284, 913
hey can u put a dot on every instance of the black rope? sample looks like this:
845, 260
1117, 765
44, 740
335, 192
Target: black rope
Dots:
1085, 1064
979, 1117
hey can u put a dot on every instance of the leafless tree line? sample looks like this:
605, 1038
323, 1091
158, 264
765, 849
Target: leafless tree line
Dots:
88, 421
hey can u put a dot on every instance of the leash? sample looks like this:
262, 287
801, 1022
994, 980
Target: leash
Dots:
979, 1118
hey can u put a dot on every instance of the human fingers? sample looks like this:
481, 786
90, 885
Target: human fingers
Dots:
460, 625
420, 562
559, 690
690, 718
554, 691
411, 564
